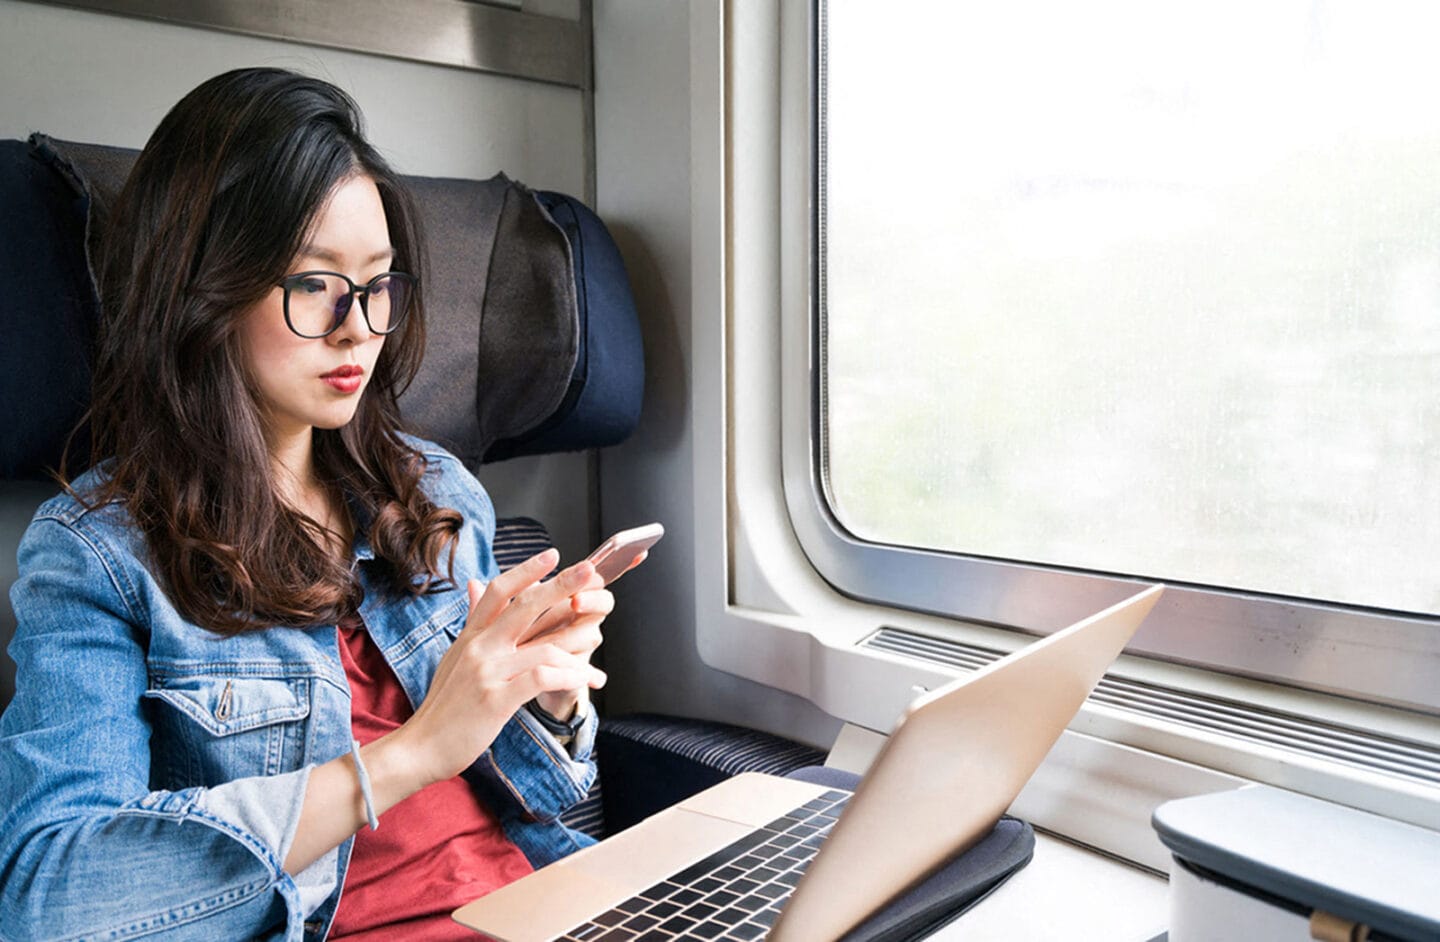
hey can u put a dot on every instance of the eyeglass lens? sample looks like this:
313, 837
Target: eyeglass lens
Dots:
318, 302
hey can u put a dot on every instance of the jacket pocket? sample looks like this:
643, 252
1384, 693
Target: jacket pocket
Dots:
451, 617
213, 729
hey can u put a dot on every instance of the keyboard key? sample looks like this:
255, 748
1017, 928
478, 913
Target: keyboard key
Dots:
736, 869
751, 904
685, 897
663, 910
701, 911
660, 890
765, 874
655, 935
746, 931
766, 917
707, 885
722, 898
616, 935
612, 918
731, 916
708, 930
633, 905
638, 924
721, 857
772, 891
677, 925
745, 887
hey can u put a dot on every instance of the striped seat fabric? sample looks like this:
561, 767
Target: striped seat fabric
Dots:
517, 539
727, 749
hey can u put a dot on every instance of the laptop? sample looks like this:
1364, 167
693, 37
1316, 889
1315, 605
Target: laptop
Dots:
764, 856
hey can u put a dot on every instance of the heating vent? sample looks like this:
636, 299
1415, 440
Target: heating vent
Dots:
1419, 763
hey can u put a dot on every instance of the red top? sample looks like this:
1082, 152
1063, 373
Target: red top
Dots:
435, 851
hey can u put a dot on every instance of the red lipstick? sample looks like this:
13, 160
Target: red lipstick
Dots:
345, 379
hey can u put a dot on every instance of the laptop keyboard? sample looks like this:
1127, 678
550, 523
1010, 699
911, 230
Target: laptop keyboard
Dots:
735, 893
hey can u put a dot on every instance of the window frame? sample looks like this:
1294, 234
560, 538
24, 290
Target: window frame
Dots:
1379, 656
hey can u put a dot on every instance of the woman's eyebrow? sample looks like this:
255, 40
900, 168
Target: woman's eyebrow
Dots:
333, 258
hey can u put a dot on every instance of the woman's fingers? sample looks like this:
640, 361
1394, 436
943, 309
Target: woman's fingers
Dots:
592, 604
519, 591
497, 596
474, 693
545, 668
581, 636
515, 622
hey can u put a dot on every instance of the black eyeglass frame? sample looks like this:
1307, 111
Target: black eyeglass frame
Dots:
361, 291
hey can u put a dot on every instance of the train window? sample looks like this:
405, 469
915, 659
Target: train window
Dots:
1138, 290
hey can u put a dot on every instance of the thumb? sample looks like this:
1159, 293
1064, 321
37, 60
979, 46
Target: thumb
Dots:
475, 588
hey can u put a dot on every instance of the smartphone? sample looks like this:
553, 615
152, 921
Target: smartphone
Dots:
614, 556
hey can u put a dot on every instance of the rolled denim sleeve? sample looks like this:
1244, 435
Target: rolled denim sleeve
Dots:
533, 770
86, 847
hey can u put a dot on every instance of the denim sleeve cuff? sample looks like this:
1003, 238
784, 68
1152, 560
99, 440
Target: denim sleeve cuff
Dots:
269, 809
539, 775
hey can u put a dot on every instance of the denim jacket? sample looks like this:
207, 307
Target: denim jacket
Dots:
152, 773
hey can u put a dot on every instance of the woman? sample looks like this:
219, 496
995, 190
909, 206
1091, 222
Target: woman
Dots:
224, 625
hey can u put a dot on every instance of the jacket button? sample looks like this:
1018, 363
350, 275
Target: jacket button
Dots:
222, 709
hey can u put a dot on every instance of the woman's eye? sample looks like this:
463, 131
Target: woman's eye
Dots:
380, 289
311, 286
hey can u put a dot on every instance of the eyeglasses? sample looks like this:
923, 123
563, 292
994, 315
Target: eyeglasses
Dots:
317, 302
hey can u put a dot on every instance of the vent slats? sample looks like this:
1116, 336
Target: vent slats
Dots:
1295, 733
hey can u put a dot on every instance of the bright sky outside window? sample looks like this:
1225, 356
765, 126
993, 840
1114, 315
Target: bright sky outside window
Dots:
1141, 289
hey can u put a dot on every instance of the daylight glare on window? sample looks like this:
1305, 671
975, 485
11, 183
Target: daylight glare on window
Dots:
1139, 288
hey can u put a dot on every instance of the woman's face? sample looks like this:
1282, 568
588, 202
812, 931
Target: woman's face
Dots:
317, 383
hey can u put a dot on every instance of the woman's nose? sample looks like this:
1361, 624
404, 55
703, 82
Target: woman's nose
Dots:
354, 327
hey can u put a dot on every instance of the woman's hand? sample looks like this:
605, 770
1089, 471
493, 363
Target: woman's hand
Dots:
575, 629
514, 647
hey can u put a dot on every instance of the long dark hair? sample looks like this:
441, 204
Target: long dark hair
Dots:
211, 218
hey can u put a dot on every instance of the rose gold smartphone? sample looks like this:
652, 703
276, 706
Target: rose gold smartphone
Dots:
614, 556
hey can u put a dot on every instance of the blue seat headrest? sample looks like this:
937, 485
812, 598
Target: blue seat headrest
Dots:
534, 343
50, 311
